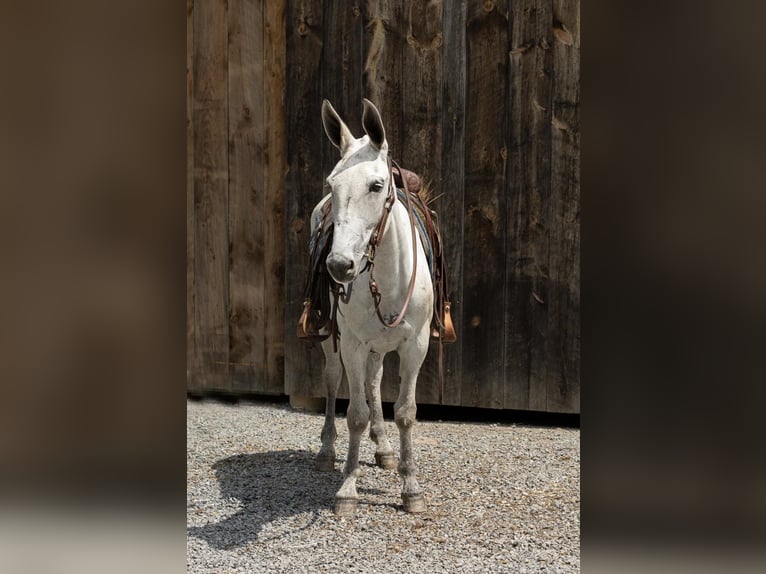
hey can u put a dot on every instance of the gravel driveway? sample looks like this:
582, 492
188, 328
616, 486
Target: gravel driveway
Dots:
500, 498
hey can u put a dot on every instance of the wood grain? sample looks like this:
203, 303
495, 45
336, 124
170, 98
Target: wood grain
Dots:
486, 144
528, 294
384, 45
274, 198
451, 183
303, 183
211, 316
341, 65
422, 102
247, 214
383, 79
563, 348
192, 380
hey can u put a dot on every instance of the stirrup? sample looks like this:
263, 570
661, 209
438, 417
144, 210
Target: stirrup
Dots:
447, 335
449, 329
302, 330
307, 331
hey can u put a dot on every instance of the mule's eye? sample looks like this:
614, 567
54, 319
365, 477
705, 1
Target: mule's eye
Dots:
376, 186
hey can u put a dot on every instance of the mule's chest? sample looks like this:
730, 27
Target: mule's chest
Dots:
359, 319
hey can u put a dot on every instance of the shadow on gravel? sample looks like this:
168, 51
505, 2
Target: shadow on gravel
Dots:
269, 486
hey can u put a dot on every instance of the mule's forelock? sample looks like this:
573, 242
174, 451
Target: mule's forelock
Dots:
335, 128
373, 125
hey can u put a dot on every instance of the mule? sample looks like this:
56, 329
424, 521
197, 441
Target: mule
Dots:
373, 233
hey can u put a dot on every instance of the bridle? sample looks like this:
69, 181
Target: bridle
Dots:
377, 237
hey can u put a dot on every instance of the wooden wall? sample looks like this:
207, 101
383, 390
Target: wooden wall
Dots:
480, 97
235, 207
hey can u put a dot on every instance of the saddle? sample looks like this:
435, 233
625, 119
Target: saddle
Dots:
321, 292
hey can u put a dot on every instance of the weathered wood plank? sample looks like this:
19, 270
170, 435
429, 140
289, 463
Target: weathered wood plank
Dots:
563, 342
384, 41
274, 200
211, 195
341, 77
451, 183
422, 88
383, 77
422, 93
528, 294
518, 298
192, 380
303, 183
247, 244
540, 17
486, 146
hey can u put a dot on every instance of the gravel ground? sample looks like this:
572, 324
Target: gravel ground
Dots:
500, 498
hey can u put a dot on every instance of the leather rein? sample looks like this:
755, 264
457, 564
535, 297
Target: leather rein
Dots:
377, 237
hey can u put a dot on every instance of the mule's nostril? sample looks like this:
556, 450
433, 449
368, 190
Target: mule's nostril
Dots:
340, 267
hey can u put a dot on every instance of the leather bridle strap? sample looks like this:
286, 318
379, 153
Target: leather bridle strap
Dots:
377, 237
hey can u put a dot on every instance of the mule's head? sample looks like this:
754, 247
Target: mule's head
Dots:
359, 184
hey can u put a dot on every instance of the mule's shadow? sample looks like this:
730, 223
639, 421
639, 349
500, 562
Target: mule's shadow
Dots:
268, 486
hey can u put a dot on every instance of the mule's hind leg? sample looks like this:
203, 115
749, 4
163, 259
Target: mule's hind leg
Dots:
411, 356
331, 377
384, 454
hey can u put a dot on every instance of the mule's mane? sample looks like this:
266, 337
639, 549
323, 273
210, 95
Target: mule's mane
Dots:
427, 193
423, 189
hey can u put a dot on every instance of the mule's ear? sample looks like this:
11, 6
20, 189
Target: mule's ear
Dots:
335, 129
373, 125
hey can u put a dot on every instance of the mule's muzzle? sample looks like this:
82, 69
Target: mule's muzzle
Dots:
342, 269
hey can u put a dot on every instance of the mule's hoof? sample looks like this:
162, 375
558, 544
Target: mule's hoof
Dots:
345, 506
324, 464
414, 503
387, 460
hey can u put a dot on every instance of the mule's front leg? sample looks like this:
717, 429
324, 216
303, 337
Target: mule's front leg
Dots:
331, 377
384, 454
405, 411
357, 417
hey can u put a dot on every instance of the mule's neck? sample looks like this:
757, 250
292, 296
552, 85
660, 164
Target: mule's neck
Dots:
394, 256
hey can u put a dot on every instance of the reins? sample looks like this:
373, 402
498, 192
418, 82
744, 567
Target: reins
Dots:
377, 237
